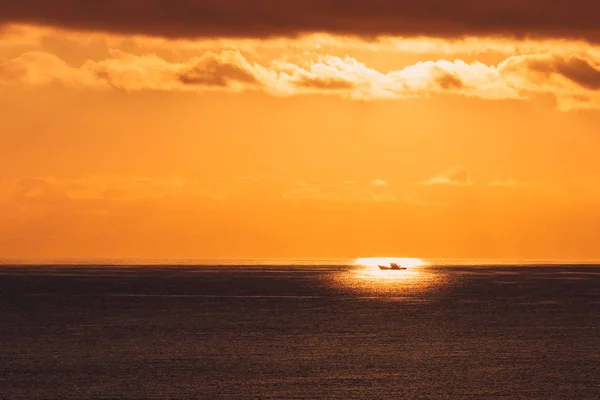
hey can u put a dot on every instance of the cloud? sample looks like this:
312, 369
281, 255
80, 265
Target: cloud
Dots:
223, 70
264, 18
230, 70
379, 182
505, 183
99, 190
581, 71
340, 192
324, 83
574, 80
555, 69
458, 175
50, 190
40, 68
16, 35
417, 199
35, 37
448, 80
219, 70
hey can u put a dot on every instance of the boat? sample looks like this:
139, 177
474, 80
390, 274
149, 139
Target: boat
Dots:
393, 266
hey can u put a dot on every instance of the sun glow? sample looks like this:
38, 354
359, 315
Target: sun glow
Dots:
386, 261
370, 269
367, 279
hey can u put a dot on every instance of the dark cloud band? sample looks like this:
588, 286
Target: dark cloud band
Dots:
572, 19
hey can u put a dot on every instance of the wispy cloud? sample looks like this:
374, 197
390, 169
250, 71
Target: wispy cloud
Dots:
49, 189
458, 175
504, 183
340, 192
379, 182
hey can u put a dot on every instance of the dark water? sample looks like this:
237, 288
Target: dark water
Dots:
299, 332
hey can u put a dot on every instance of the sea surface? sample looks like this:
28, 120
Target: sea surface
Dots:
301, 330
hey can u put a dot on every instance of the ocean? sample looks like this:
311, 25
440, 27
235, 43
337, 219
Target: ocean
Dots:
299, 330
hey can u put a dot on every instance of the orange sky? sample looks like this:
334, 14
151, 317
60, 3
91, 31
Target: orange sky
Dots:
119, 145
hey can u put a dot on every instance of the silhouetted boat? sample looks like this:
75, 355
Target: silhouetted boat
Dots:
393, 266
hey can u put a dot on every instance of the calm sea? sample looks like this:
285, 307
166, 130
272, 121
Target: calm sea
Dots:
306, 330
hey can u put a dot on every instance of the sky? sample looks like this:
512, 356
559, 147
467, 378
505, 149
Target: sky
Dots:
300, 129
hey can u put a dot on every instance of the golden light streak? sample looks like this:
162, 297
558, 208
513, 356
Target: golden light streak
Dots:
366, 279
402, 261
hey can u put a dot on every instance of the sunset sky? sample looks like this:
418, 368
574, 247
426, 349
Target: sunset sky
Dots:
304, 129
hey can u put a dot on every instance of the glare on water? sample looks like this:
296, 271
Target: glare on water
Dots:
402, 261
368, 279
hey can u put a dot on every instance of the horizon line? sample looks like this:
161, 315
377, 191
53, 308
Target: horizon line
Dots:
275, 260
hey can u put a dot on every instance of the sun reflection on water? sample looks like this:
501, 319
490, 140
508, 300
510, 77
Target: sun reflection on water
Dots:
367, 279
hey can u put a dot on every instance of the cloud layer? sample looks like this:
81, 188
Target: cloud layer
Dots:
262, 18
574, 80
